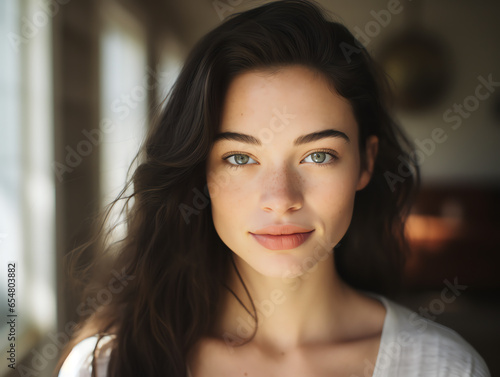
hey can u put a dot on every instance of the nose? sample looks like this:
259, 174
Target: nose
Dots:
281, 191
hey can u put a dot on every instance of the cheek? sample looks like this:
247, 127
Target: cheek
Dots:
230, 207
334, 198
224, 211
225, 190
227, 197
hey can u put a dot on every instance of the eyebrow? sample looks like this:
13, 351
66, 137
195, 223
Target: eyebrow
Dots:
304, 139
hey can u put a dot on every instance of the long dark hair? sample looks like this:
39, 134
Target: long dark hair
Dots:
172, 249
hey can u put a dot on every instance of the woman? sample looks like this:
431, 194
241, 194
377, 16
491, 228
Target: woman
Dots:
266, 223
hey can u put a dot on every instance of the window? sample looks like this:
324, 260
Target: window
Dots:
27, 194
125, 83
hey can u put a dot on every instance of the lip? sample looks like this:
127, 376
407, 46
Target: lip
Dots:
285, 238
279, 230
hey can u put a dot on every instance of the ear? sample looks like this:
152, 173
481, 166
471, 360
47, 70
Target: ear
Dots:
371, 155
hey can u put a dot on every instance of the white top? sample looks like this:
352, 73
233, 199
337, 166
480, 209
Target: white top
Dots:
410, 346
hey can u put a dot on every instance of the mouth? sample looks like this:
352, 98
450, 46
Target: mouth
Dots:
282, 242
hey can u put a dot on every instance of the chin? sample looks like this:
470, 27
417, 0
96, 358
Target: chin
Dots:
282, 264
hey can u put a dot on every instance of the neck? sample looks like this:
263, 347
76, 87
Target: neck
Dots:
293, 312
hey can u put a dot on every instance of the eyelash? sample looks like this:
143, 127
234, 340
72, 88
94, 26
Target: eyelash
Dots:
327, 151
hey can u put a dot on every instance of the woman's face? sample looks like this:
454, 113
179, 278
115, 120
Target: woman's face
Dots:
296, 162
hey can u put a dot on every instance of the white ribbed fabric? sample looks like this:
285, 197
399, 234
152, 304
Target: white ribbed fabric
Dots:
410, 346
413, 346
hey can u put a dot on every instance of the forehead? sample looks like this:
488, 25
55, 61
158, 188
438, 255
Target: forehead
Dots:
295, 97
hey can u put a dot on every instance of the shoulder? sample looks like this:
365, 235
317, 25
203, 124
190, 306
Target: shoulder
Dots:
79, 361
413, 345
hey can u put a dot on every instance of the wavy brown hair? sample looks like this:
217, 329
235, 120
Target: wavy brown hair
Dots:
171, 247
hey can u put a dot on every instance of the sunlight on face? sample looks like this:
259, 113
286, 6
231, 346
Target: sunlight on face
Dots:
275, 176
